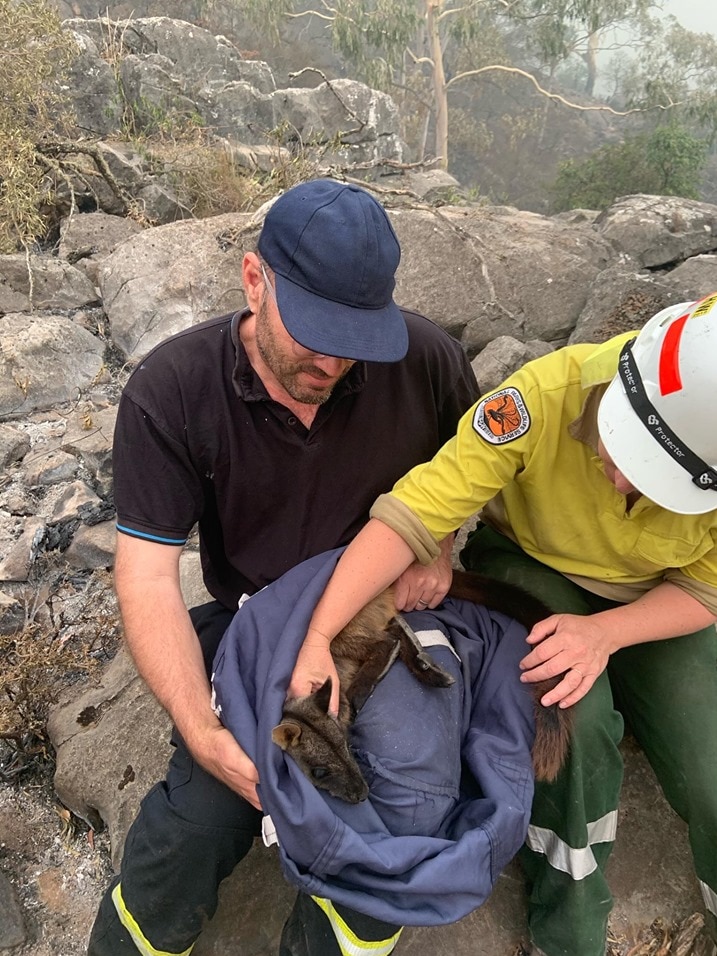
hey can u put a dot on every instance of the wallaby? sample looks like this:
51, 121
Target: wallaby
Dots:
365, 649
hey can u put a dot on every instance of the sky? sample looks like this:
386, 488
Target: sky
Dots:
697, 15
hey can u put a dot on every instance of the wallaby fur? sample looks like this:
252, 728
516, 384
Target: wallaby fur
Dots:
365, 649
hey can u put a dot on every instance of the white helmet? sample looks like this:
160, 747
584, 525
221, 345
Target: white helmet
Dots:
658, 418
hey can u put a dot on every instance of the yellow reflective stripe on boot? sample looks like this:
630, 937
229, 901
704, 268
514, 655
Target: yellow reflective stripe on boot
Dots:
349, 943
130, 924
576, 862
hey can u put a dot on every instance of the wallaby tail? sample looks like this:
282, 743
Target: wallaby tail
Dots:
553, 725
500, 596
553, 729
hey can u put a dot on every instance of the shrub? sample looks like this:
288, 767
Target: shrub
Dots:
33, 52
665, 162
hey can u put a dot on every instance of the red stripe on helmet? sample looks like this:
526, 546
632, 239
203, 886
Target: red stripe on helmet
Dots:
669, 371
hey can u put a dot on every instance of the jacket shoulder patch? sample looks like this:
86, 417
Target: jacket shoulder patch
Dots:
501, 417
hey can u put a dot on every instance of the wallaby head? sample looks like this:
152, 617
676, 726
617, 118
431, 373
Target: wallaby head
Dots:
317, 742
365, 649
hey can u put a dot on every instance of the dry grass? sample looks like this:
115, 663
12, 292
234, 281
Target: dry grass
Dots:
71, 627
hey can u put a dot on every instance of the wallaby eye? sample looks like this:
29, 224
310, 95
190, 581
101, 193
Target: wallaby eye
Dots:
318, 773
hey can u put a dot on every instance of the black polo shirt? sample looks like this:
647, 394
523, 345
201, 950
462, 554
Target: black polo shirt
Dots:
198, 439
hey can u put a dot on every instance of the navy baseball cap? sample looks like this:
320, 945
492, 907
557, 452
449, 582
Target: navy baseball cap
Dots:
334, 255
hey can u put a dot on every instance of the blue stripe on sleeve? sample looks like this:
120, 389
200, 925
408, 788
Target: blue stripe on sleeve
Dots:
150, 537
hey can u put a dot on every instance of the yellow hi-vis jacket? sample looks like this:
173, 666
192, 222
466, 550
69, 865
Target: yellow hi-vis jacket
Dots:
525, 457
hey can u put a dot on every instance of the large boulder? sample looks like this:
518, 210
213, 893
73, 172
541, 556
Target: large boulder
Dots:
42, 282
659, 230
44, 360
493, 271
163, 281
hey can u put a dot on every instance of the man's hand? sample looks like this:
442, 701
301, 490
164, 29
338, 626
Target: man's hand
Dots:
313, 665
579, 645
223, 758
421, 586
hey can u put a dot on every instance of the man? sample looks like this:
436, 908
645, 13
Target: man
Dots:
597, 493
273, 429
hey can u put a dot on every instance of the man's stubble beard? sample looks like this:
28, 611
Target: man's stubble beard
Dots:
286, 369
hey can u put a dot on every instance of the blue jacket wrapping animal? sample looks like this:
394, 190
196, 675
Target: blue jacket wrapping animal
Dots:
449, 769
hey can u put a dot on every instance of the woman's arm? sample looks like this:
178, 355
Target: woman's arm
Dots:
582, 645
373, 560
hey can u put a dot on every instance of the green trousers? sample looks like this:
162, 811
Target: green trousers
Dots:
666, 691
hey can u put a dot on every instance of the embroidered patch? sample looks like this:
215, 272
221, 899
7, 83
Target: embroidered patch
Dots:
502, 417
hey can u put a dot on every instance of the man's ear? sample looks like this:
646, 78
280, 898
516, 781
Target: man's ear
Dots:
253, 281
286, 734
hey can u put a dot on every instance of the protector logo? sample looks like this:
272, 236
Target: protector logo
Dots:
502, 417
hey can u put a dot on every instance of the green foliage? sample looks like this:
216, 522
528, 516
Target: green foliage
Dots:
557, 31
666, 162
677, 70
33, 51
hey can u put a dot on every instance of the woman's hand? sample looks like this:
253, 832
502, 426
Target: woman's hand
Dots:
313, 665
575, 644
421, 586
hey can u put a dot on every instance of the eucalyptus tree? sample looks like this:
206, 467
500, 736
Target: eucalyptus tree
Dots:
397, 43
676, 76
559, 29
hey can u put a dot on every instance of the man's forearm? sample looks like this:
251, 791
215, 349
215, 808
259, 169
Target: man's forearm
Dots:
166, 651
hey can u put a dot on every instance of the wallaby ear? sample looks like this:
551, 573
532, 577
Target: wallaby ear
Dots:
322, 697
286, 734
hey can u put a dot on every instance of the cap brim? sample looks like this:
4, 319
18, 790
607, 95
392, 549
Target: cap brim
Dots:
331, 328
643, 462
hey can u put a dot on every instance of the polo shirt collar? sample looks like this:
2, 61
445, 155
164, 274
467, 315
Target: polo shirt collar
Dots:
249, 386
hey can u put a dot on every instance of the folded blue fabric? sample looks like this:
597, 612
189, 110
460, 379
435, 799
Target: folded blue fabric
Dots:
449, 769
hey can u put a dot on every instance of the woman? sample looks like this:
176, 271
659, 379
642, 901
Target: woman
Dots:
596, 491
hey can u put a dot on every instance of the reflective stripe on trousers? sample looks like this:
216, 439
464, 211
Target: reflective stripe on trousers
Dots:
710, 898
576, 862
348, 941
130, 924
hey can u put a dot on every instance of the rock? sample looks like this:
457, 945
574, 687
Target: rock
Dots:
693, 279
15, 565
107, 762
51, 469
359, 124
12, 924
659, 230
42, 283
44, 361
621, 298
92, 84
92, 546
76, 497
503, 356
505, 272
14, 444
93, 235
433, 186
12, 615
166, 279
